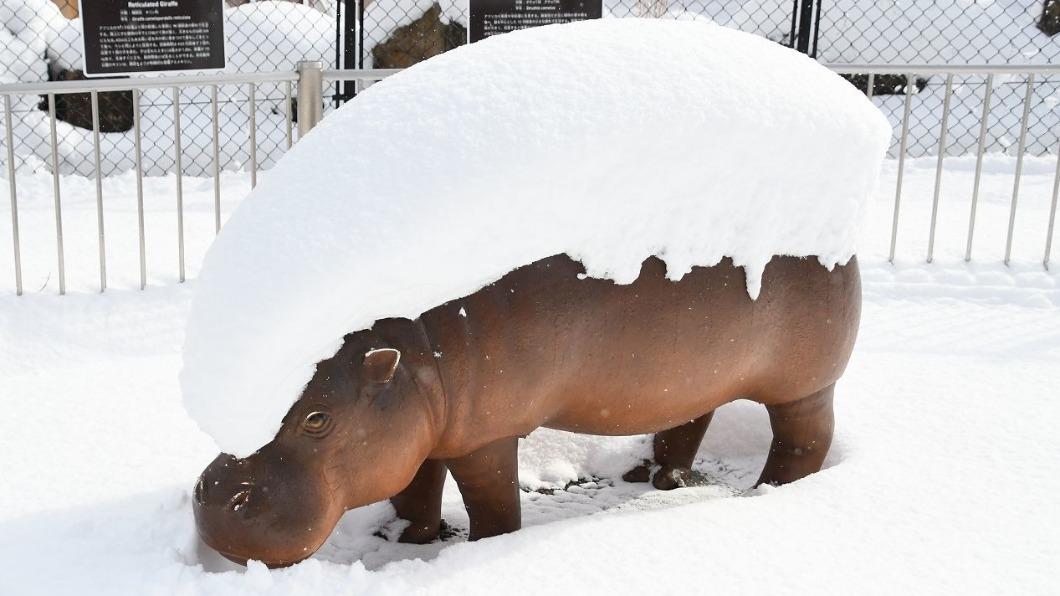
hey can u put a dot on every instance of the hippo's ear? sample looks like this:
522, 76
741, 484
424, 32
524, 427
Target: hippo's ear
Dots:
381, 364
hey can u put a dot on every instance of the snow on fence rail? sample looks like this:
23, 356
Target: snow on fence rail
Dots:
311, 79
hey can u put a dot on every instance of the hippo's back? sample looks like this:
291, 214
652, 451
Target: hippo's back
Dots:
589, 355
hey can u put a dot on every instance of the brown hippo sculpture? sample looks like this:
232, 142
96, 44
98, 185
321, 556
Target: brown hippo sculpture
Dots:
455, 389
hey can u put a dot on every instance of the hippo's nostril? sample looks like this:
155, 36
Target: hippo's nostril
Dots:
240, 499
200, 490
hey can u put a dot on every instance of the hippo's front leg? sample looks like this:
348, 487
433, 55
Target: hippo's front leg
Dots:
489, 482
421, 503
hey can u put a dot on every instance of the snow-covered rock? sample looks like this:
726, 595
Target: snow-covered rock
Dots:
20, 63
610, 140
31, 21
66, 46
25, 26
276, 35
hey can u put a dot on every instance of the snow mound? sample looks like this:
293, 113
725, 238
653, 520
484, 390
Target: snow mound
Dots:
609, 140
31, 21
66, 46
24, 27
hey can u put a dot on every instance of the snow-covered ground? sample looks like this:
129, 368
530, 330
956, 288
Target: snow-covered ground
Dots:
269, 36
942, 477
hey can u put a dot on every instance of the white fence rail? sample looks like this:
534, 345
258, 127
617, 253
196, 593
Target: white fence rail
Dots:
305, 87
951, 71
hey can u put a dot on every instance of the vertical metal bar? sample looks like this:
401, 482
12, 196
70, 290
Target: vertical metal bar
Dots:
352, 54
253, 106
178, 150
99, 194
983, 127
340, 60
216, 163
140, 189
794, 23
816, 28
57, 195
1019, 166
910, 88
310, 89
1052, 212
872, 85
943, 129
287, 113
805, 23
360, 34
10, 140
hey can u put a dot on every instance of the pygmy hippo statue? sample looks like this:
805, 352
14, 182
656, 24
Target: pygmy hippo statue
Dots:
455, 389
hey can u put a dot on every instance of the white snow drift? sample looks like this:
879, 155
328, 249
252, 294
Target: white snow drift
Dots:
610, 141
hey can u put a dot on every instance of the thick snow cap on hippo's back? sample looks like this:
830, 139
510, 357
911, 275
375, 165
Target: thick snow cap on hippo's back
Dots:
608, 140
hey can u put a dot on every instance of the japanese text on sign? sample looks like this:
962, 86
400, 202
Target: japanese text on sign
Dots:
138, 36
493, 17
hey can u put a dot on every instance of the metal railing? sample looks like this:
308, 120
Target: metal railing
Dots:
951, 70
272, 36
311, 78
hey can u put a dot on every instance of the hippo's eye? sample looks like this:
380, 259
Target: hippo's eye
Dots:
316, 423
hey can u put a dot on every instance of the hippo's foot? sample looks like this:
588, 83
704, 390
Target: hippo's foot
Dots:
674, 450
641, 473
422, 533
665, 478
670, 477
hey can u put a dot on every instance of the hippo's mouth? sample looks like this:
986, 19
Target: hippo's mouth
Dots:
242, 559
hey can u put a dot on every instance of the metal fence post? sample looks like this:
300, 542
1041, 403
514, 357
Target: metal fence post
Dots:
805, 26
310, 95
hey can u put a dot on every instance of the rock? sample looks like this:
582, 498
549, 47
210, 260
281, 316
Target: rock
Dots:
884, 84
1050, 21
425, 37
115, 107
67, 7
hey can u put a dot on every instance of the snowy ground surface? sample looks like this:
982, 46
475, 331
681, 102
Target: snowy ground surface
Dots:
274, 35
942, 477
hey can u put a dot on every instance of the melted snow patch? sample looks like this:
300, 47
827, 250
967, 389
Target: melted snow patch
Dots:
608, 140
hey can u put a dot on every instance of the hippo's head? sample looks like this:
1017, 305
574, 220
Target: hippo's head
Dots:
357, 435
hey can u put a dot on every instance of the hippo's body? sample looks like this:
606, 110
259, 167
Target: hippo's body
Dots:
403, 402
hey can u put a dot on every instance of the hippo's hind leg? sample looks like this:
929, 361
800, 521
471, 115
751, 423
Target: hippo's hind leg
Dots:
489, 483
802, 433
674, 450
421, 503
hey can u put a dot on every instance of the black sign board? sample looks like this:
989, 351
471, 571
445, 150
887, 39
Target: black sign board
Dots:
493, 17
140, 36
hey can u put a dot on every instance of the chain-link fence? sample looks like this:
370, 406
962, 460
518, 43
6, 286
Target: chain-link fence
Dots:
39, 42
954, 32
